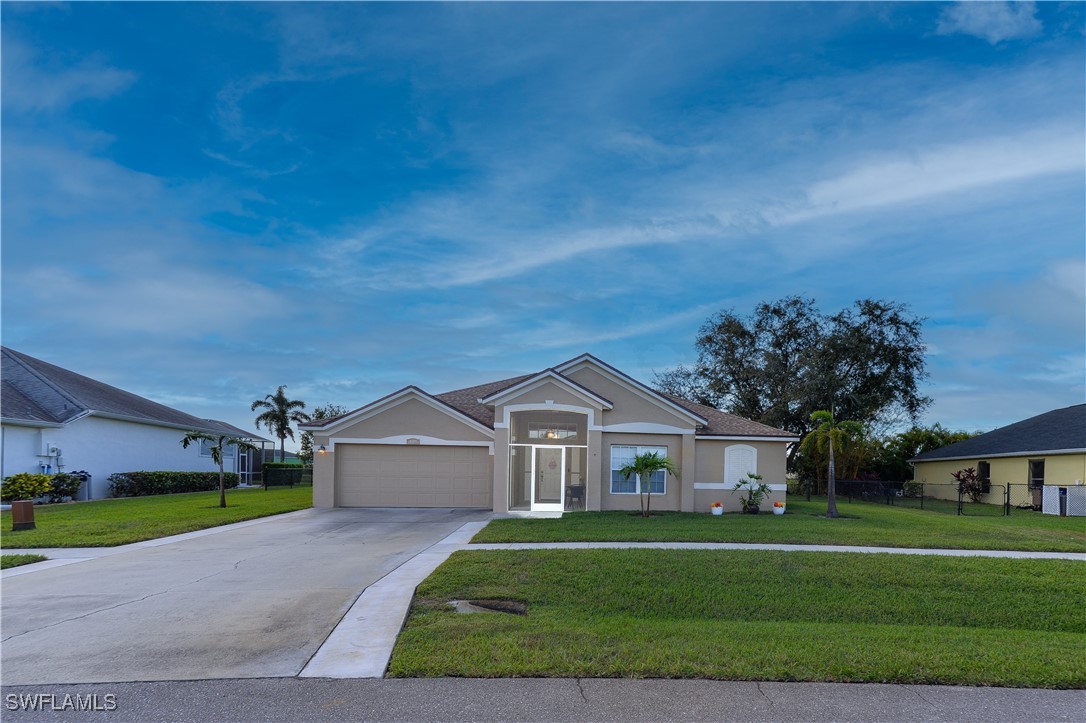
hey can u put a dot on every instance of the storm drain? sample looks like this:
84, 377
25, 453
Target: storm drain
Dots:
511, 607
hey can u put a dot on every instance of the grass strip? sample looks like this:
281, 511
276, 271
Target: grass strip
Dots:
104, 523
7, 561
757, 615
805, 523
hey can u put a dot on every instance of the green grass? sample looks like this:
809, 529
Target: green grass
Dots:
103, 523
7, 561
752, 615
805, 523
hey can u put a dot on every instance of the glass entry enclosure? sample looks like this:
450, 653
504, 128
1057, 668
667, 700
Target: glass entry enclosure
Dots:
548, 456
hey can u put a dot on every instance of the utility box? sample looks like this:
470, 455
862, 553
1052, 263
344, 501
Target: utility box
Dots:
22, 515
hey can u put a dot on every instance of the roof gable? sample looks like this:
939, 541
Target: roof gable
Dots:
547, 375
331, 426
624, 380
1061, 430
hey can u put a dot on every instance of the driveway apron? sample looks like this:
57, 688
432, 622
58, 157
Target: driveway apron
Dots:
245, 603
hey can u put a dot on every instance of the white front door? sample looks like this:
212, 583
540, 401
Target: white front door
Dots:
548, 481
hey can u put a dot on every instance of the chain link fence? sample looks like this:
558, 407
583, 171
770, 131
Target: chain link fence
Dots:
943, 498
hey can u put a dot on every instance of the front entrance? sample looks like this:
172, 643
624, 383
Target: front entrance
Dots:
548, 461
547, 478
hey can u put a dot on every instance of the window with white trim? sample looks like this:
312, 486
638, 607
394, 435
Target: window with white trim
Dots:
739, 460
622, 455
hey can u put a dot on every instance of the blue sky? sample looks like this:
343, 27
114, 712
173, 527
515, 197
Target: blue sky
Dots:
202, 201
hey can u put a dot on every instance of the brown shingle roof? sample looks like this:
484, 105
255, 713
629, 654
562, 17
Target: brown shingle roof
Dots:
466, 401
727, 425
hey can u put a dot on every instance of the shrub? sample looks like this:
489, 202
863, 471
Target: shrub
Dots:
277, 473
66, 485
968, 484
141, 484
25, 486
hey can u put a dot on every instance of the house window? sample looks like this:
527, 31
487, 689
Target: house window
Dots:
984, 476
622, 455
1036, 473
739, 460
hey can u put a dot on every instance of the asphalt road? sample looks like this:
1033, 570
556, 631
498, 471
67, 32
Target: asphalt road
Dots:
533, 699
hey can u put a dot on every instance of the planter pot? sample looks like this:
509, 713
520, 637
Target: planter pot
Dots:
717, 510
778, 510
750, 510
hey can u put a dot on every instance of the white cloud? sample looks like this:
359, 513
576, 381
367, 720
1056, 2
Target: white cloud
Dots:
939, 171
991, 21
30, 87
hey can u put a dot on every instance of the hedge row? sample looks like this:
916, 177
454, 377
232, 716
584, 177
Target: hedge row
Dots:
140, 484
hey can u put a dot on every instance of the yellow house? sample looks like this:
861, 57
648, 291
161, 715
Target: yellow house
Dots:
1046, 451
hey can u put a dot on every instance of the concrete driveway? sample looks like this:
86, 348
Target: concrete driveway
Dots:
242, 603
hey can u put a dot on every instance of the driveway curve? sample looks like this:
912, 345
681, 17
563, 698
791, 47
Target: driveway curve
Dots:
250, 602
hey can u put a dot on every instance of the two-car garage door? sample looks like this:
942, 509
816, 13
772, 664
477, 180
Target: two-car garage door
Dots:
404, 475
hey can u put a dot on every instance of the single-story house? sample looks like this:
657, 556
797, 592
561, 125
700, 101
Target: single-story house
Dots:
1041, 453
541, 443
54, 420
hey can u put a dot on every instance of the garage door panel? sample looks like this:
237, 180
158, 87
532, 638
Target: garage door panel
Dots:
412, 476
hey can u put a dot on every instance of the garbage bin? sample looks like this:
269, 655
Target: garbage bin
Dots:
1063, 502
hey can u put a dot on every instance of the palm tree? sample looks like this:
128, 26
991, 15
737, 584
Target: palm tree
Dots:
827, 434
278, 413
644, 466
221, 441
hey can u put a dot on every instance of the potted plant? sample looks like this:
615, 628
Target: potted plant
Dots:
778, 508
717, 508
756, 492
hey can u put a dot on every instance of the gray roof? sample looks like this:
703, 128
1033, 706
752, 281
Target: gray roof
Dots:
237, 431
1059, 430
35, 391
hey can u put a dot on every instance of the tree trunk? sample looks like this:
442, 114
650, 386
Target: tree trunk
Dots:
647, 512
222, 486
831, 499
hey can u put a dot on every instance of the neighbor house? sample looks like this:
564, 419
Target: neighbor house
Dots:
545, 442
1043, 452
54, 420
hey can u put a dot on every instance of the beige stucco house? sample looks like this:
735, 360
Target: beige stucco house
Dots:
542, 443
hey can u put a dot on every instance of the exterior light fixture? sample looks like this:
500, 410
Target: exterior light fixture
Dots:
322, 450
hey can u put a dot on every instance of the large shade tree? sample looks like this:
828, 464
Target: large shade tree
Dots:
218, 443
787, 360
279, 413
643, 467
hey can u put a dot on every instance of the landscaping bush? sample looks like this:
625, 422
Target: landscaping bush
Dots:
282, 473
25, 486
66, 485
139, 484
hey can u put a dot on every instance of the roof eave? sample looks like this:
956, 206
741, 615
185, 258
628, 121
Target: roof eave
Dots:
1026, 453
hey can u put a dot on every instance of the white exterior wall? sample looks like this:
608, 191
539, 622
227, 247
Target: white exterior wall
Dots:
102, 447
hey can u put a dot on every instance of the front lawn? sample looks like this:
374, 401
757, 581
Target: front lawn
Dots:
7, 561
804, 523
103, 523
752, 615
